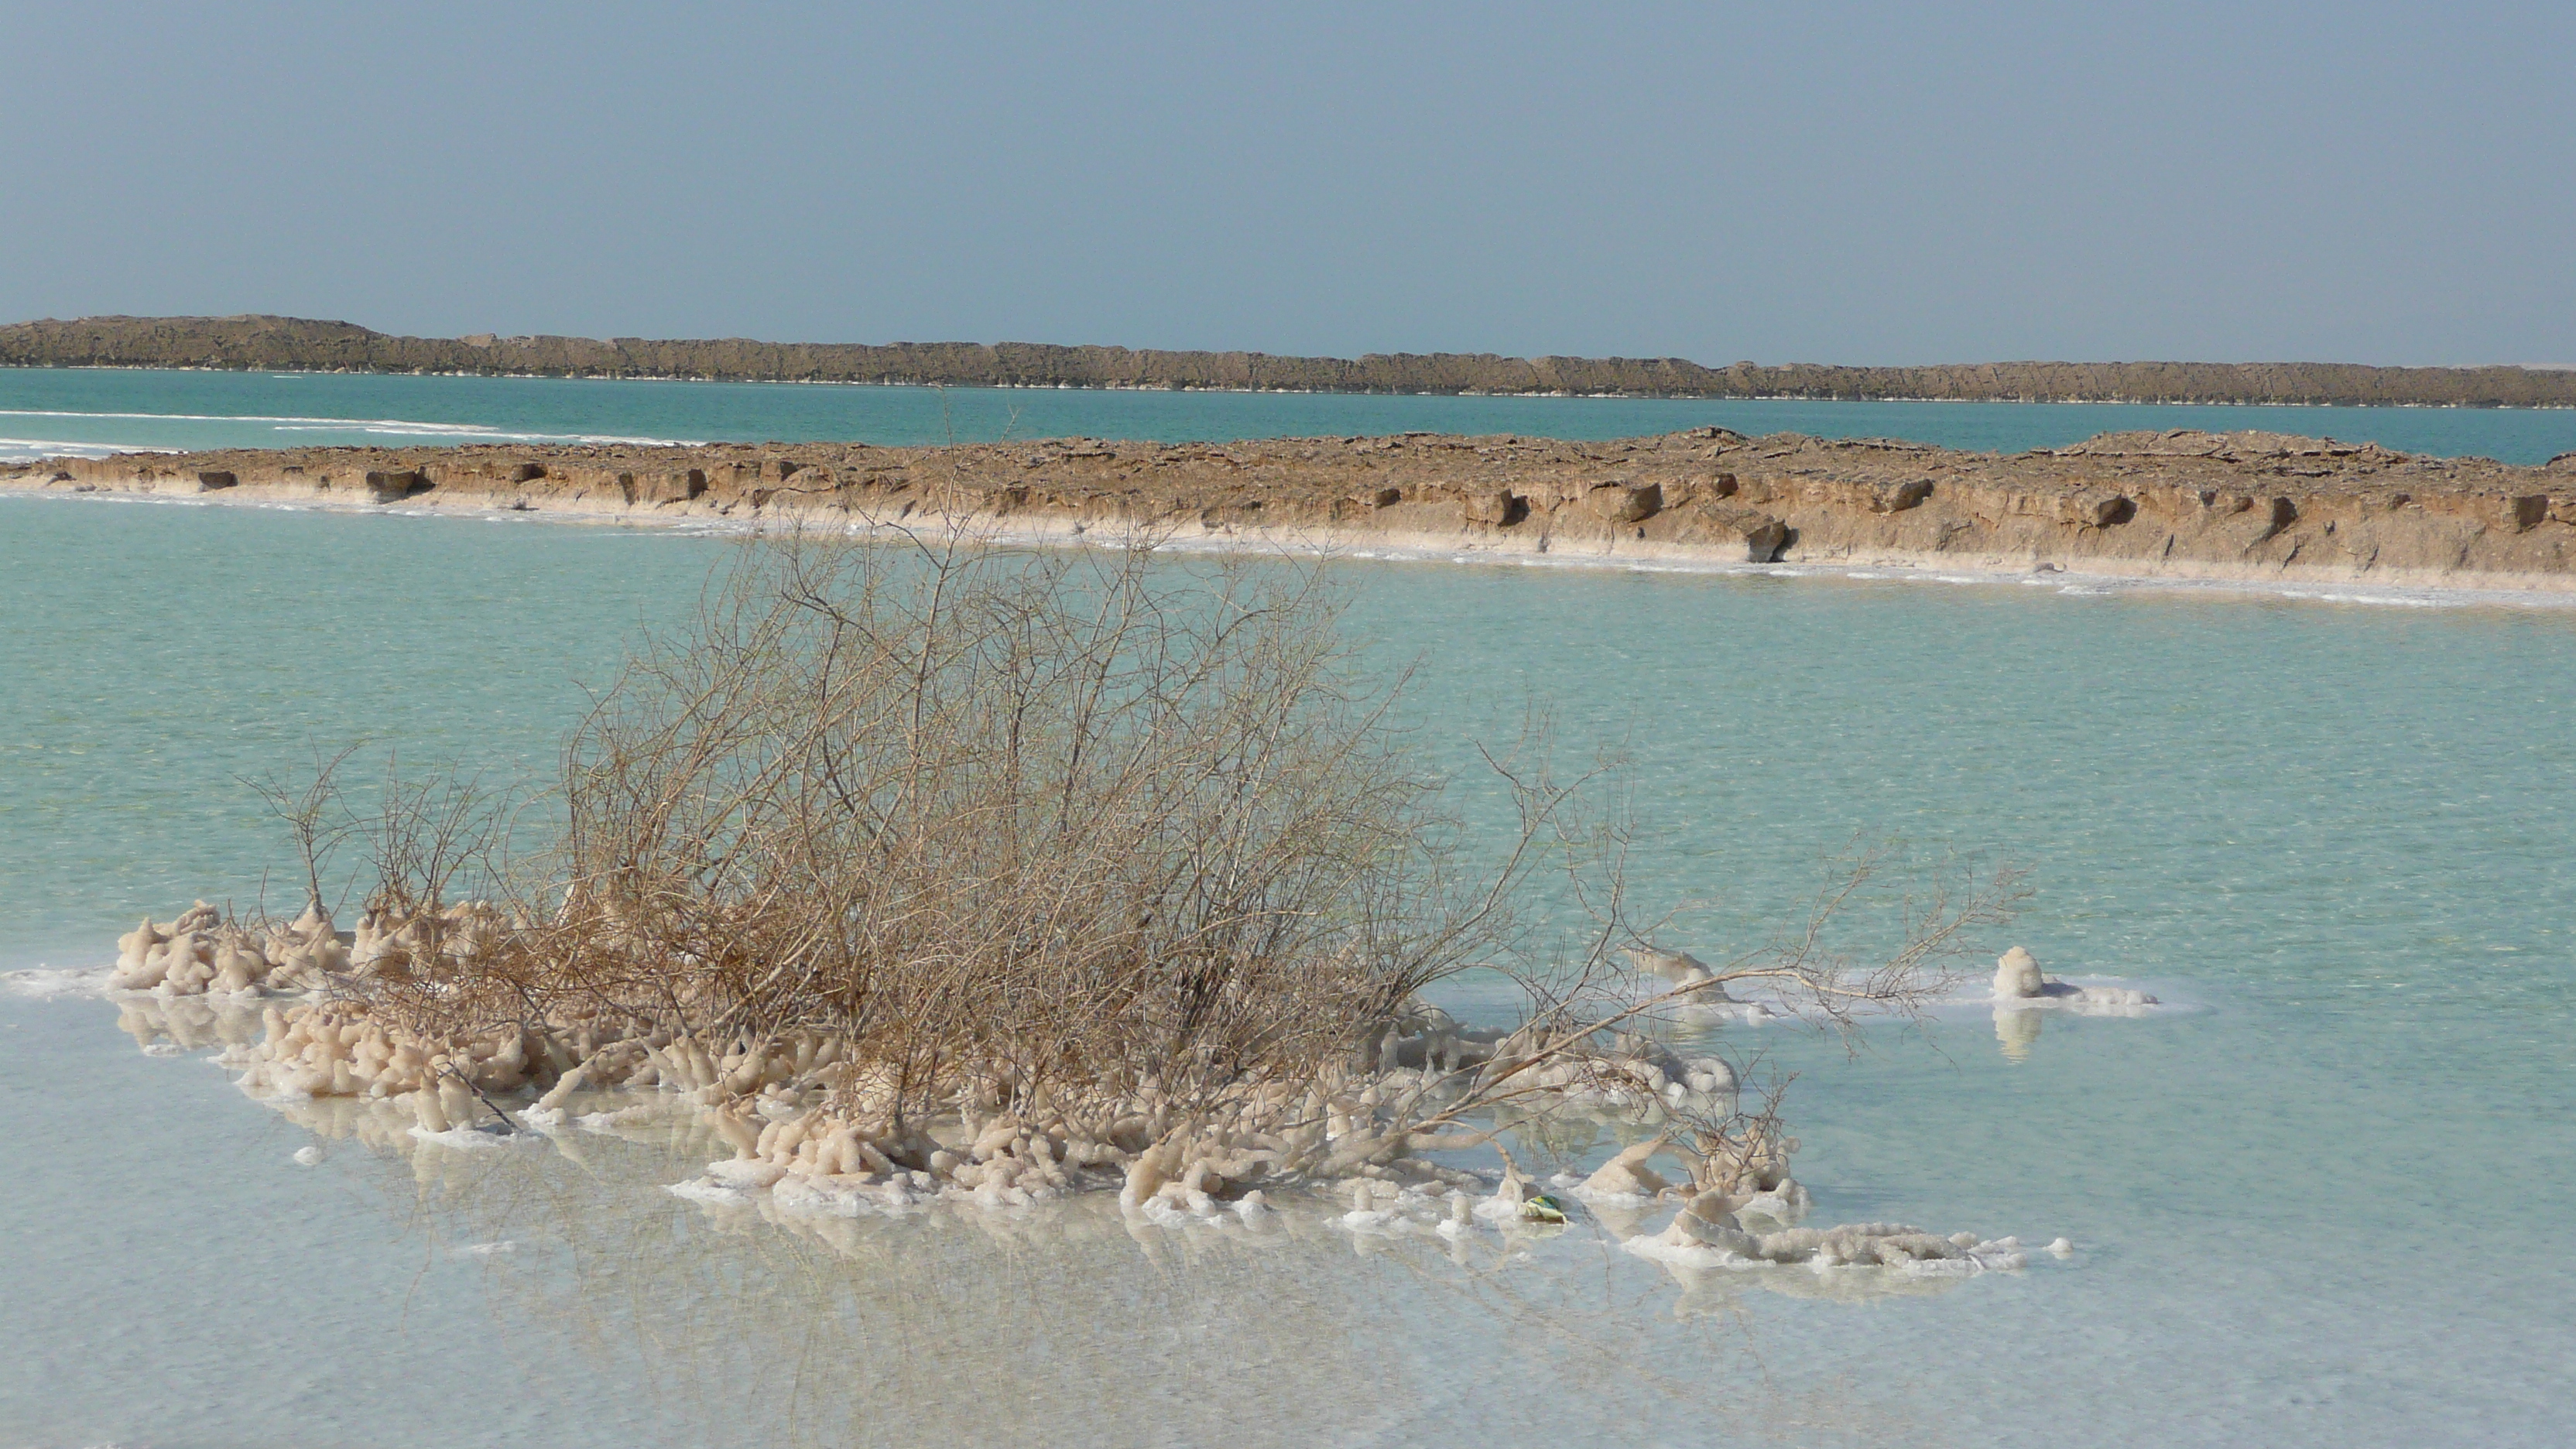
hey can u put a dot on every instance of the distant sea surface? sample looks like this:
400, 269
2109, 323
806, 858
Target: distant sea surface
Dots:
94, 411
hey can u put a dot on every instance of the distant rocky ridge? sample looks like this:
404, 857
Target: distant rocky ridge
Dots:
294, 344
2256, 506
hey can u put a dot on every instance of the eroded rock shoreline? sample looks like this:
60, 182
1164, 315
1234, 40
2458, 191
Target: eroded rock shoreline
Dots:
2182, 504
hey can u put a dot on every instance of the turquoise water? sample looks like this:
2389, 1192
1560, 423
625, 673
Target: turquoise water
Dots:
60, 411
2327, 1205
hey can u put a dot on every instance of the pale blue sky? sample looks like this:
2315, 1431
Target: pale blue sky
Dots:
1849, 183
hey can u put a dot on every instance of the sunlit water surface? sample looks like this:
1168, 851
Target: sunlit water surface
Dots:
92, 411
2327, 1205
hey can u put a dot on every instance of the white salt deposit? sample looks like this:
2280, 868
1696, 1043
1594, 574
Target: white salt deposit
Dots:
1707, 1233
2018, 974
1625, 1179
2020, 983
751, 1175
707, 1190
1508, 1196
50, 984
1701, 994
1679, 969
331, 1066
200, 953
610, 1121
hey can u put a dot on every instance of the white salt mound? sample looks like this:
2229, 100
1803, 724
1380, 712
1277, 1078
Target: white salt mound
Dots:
1680, 969
2018, 978
1626, 1177
2017, 974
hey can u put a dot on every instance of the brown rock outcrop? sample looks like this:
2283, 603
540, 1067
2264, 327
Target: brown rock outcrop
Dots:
2242, 505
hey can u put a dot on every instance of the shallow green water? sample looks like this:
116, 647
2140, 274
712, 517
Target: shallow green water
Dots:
2329, 1206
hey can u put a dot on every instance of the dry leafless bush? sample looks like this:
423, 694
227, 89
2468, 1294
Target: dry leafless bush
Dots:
1050, 827
1126, 850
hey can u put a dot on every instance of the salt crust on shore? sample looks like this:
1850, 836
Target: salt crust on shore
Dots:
1431, 548
1757, 1234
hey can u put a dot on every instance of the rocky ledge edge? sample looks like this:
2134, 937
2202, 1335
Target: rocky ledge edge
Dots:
2180, 504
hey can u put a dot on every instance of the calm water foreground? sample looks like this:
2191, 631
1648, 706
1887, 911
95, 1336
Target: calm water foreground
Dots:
92, 411
2328, 1205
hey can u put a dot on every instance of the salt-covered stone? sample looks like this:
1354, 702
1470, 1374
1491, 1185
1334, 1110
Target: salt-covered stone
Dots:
2017, 975
1709, 1221
1626, 1175
1147, 1173
1681, 969
431, 1112
239, 966
1708, 1076
456, 1101
143, 963
135, 945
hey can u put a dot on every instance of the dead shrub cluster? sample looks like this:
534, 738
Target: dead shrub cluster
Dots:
1123, 862
1047, 829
